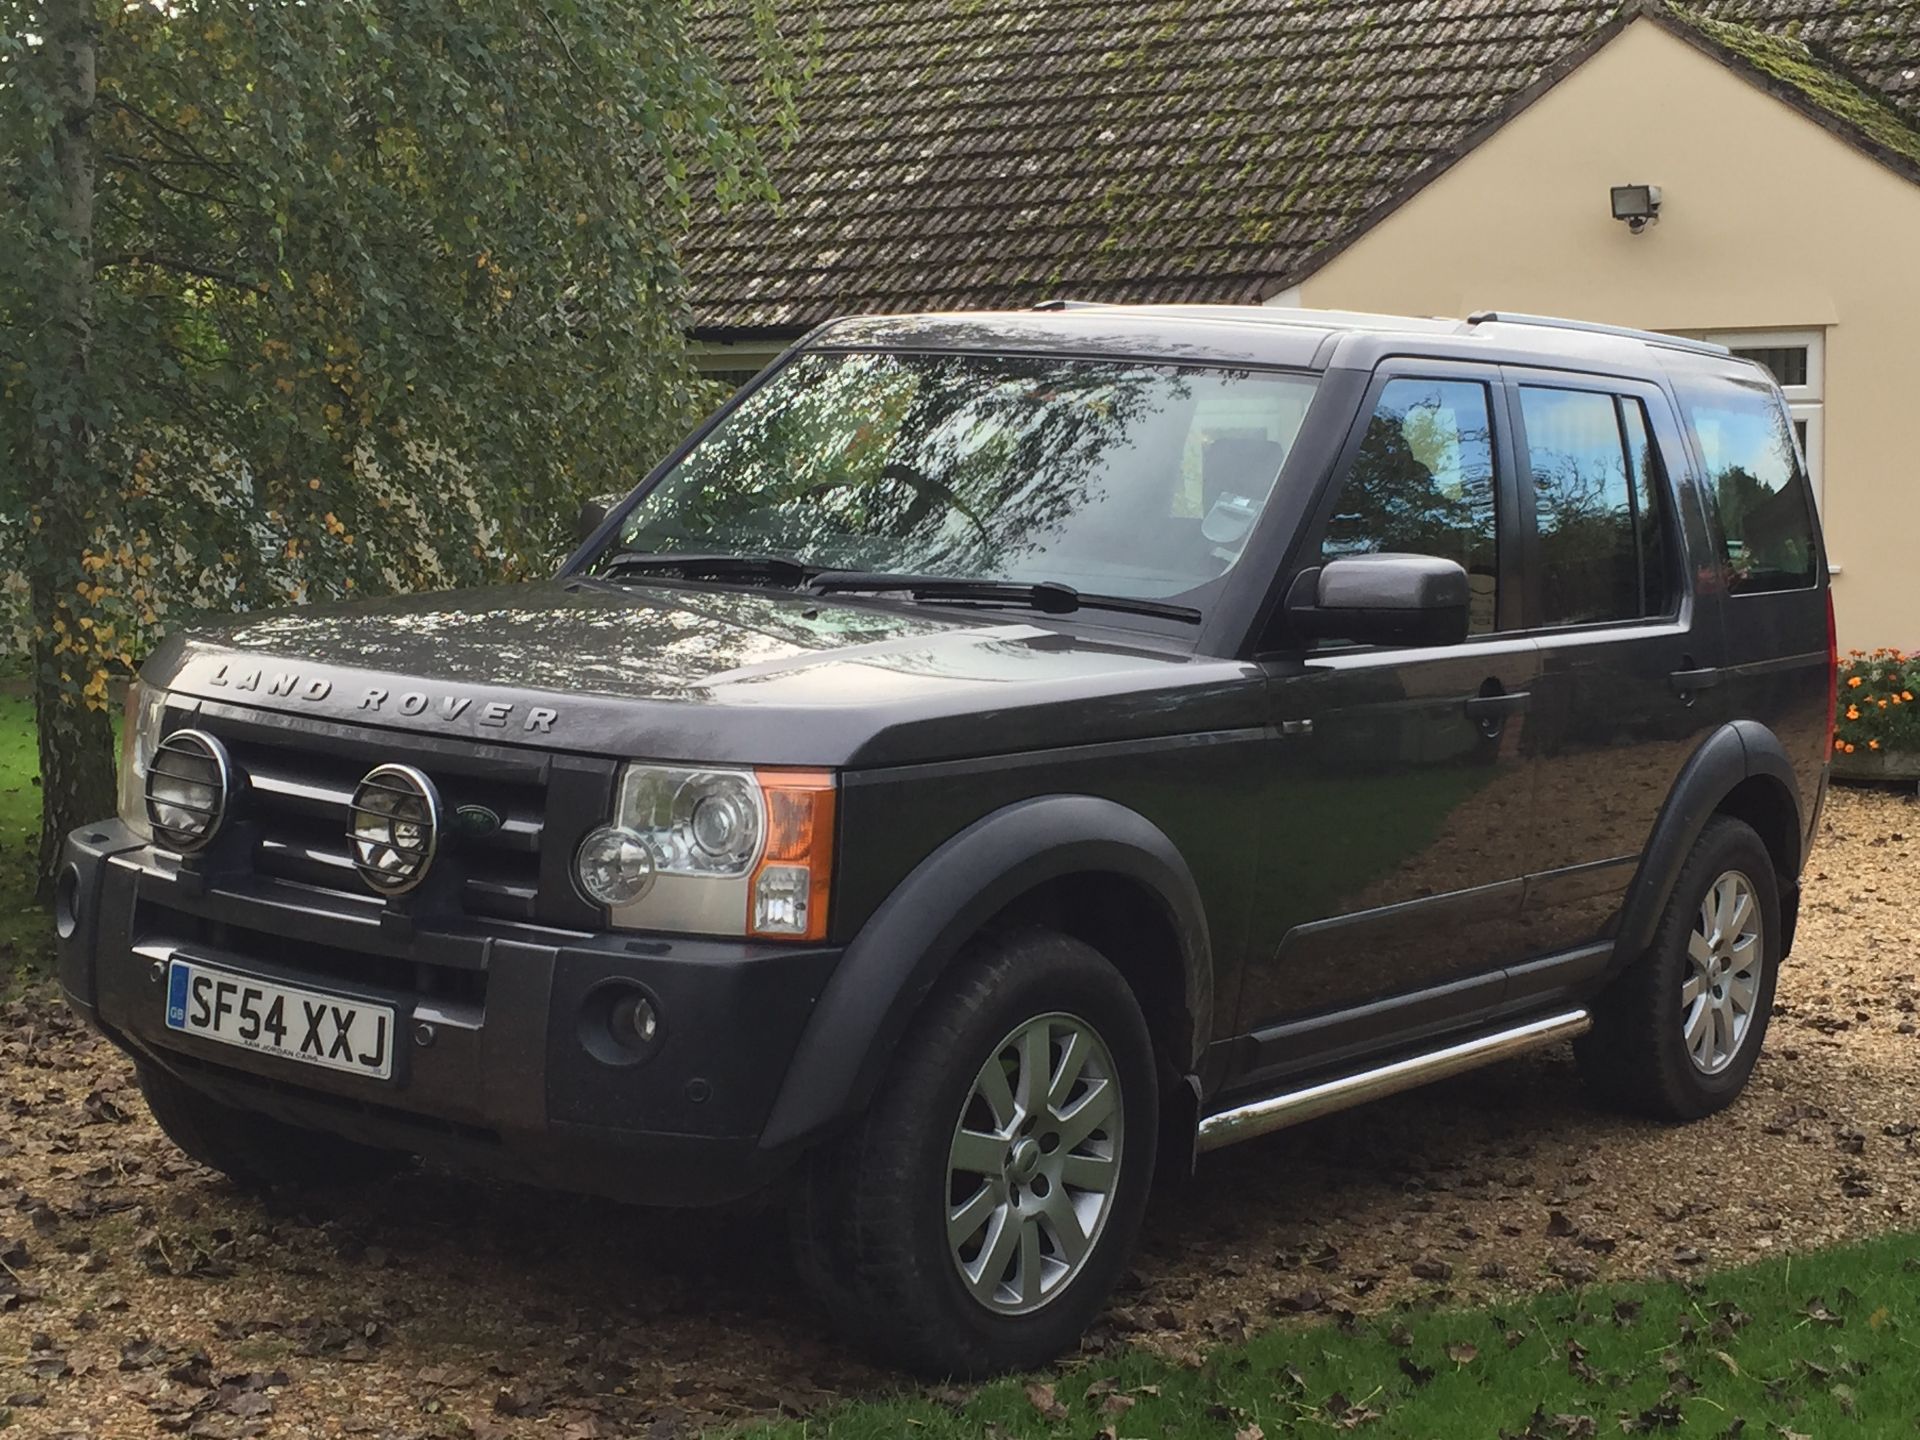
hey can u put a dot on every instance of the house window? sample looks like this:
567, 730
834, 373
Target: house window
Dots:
1797, 359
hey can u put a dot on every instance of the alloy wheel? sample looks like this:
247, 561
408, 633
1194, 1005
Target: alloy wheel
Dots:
1725, 957
1034, 1164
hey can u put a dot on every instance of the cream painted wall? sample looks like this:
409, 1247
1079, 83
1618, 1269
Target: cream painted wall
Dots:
1767, 222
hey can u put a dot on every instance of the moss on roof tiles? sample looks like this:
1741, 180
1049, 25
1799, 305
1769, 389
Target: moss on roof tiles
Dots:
1786, 59
991, 152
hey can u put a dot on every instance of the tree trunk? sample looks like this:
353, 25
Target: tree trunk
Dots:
76, 735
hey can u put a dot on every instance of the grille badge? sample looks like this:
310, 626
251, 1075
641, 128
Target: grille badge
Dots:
394, 828
476, 820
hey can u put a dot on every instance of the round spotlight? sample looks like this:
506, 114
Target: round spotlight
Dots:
394, 827
188, 781
614, 866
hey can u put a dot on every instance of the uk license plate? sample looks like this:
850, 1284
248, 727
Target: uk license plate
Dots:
309, 1026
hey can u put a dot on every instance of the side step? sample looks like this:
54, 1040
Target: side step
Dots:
1290, 1107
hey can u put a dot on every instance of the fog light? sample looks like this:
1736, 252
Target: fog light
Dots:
635, 1022
615, 866
620, 1023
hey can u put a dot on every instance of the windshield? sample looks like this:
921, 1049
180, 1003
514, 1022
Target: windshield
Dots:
1122, 478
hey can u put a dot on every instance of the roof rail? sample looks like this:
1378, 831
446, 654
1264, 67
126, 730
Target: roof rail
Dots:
1061, 302
1650, 337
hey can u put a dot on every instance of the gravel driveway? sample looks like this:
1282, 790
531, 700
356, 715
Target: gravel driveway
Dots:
140, 1294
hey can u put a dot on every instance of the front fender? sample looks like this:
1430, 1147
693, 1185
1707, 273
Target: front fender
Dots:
915, 933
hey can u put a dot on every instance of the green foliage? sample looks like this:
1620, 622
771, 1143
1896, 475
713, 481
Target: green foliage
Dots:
309, 301
380, 288
1807, 1345
1877, 710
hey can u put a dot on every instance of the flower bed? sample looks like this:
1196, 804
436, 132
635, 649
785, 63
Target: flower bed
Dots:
1876, 732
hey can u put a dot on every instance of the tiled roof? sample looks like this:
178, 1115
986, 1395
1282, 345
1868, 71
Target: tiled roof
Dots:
969, 153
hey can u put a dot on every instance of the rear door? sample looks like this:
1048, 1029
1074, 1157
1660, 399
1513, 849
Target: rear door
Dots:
1764, 553
1627, 686
1396, 823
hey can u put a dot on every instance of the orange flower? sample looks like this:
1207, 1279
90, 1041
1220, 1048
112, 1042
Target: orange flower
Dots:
1883, 704
1873, 744
1855, 682
1853, 712
1849, 749
1839, 744
1906, 695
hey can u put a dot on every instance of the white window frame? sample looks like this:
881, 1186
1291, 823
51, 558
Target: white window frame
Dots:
1805, 403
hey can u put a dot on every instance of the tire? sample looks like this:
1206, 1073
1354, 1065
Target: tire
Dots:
1647, 1052
255, 1150
871, 1221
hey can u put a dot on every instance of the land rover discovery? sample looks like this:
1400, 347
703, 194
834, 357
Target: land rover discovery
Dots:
997, 757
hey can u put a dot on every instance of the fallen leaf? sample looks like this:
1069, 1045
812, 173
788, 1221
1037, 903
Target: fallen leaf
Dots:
1042, 1399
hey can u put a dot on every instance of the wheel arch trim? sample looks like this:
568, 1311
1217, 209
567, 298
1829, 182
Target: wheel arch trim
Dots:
1738, 751
916, 932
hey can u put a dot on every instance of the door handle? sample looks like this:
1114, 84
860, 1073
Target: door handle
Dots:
1685, 682
1491, 707
1498, 707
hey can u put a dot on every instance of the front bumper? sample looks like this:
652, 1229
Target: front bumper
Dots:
505, 1064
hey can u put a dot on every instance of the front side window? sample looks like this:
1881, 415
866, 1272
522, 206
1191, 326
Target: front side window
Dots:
1755, 484
1423, 484
1116, 477
1596, 506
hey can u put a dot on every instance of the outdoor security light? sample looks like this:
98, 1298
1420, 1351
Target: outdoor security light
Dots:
1636, 204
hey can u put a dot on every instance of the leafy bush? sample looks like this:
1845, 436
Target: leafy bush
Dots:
1877, 710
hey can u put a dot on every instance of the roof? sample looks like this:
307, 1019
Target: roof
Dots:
1275, 336
964, 154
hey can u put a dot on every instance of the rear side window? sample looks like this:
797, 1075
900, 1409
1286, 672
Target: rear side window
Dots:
1756, 484
1597, 506
1423, 484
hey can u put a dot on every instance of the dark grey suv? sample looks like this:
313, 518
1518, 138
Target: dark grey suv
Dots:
997, 757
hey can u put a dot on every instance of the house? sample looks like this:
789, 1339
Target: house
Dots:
1412, 156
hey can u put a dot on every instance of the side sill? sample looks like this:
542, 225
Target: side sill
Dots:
1291, 1107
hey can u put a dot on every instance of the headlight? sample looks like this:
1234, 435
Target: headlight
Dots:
705, 850
139, 735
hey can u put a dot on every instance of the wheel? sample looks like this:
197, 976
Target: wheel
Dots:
1677, 1035
977, 1217
256, 1150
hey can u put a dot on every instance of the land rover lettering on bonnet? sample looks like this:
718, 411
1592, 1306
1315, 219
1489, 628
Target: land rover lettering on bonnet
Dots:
382, 699
999, 758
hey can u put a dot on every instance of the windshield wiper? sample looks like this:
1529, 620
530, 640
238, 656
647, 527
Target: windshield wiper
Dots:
1047, 596
697, 565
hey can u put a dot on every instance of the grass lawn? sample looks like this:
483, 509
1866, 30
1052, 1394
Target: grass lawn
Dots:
26, 933
1809, 1345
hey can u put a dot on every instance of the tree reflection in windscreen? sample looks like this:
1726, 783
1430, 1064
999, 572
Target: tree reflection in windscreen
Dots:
1110, 476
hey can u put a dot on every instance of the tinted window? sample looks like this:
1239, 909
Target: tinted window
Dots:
1595, 490
1756, 485
1423, 484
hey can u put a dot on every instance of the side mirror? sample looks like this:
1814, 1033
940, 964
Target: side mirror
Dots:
1382, 600
593, 514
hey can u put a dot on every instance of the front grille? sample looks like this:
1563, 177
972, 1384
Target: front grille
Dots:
501, 807
299, 801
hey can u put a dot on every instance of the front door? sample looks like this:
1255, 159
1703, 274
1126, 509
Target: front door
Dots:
1398, 815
